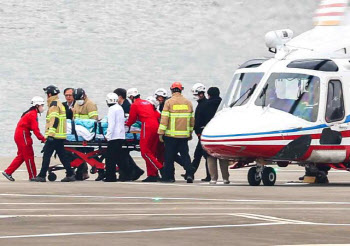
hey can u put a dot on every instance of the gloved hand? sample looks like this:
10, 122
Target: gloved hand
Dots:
161, 138
49, 139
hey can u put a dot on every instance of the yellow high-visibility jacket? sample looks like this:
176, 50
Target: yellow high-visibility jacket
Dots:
86, 111
177, 119
55, 119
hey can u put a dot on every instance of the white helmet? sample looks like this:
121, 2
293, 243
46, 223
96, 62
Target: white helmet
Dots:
132, 92
197, 88
111, 98
153, 101
161, 92
37, 101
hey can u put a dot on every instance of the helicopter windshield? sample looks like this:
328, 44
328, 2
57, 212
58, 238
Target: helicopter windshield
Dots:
297, 94
240, 89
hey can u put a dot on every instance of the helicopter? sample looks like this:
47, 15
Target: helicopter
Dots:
293, 108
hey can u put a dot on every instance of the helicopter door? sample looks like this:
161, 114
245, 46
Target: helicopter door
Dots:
335, 113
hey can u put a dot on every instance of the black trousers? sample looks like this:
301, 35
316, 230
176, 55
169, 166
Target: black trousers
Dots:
173, 146
131, 168
49, 148
198, 154
115, 155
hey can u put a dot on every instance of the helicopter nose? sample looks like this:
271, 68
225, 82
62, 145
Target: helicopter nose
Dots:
249, 133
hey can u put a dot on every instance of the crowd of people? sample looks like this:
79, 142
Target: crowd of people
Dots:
168, 122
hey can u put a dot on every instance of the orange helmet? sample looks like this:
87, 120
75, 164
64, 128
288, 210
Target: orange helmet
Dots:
177, 85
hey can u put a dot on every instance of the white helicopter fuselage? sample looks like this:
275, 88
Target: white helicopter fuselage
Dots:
298, 111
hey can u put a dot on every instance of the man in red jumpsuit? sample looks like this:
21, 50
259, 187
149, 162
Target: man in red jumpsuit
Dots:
25, 153
144, 111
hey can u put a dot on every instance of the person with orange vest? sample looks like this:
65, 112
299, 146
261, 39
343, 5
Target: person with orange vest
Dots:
24, 142
55, 135
175, 129
145, 112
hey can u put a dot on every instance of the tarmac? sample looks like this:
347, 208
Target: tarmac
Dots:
136, 213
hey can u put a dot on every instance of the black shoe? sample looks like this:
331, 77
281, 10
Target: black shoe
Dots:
163, 180
151, 179
137, 175
207, 179
124, 178
39, 179
109, 180
8, 176
68, 179
189, 179
301, 178
101, 176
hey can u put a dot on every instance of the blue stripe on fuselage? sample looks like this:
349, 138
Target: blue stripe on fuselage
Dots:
347, 120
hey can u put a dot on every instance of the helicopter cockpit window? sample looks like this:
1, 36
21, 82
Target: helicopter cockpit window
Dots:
335, 103
241, 89
297, 94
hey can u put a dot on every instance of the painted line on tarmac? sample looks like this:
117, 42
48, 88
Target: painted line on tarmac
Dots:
269, 218
114, 203
316, 245
6, 216
156, 208
159, 199
161, 230
140, 231
126, 214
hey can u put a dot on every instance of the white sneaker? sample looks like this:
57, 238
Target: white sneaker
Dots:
226, 182
212, 182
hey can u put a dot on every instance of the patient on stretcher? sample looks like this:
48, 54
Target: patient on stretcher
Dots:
88, 130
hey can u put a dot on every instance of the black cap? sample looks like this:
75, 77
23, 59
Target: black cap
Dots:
51, 89
213, 92
79, 94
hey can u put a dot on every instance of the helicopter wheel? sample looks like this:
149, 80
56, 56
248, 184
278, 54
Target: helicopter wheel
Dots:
254, 177
269, 176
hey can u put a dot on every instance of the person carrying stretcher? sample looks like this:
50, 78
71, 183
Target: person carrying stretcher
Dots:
84, 108
55, 134
24, 142
144, 111
115, 137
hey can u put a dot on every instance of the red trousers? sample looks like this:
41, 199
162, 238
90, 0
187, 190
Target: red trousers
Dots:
149, 140
25, 153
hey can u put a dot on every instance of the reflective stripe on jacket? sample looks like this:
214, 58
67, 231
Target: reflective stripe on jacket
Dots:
55, 119
177, 117
86, 111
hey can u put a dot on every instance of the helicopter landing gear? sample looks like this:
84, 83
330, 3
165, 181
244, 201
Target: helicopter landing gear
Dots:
261, 173
254, 176
269, 176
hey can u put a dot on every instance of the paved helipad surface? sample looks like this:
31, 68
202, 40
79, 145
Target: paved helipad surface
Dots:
96, 213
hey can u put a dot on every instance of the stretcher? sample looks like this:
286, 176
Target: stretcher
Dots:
92, 152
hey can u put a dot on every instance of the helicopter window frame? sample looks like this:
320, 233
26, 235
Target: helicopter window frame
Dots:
231, 91
297, 107
331, 100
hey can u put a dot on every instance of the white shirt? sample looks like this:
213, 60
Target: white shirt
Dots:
116, 129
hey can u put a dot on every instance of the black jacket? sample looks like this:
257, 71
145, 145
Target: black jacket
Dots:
211, 106
161, 105
198, 118
126, 106
69, 112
